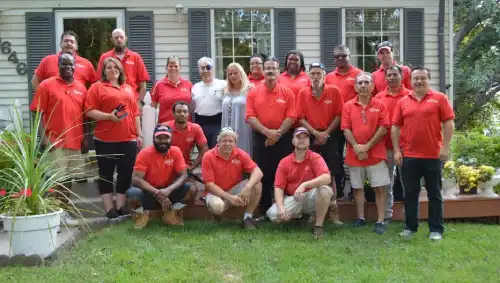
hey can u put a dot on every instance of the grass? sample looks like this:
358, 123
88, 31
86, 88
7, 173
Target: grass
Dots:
205, 252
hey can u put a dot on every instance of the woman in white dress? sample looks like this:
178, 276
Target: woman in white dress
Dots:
234, 105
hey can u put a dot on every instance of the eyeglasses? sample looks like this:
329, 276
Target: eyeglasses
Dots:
206, 67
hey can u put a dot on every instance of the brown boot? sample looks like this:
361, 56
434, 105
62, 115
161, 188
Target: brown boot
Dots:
333, 214
141, 219
171, 218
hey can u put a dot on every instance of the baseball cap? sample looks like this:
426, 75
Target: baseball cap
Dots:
384, 45
317, 65
301, 130
162, 130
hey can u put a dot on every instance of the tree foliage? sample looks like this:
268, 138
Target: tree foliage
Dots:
477, 61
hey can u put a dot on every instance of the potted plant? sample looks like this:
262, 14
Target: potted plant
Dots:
468, 179
487, 180
449, 180
28, 206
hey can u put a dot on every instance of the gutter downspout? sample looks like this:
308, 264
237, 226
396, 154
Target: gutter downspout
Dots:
451, 55
442, 62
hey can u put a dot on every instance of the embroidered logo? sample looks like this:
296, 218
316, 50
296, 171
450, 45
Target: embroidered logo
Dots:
184, 89
374, 109
169, 162
282, 101
328, 101
190, 139
79, 66
77, 92
130, 62
350, 79
432, 100
236, 161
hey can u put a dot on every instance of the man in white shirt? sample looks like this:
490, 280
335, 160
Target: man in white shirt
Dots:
207, 100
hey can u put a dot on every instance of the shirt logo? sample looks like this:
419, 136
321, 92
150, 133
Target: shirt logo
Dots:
303, 80
184, 89
77, 92
80, 66
432, 100
328, 102
307, 168
282, 101
130, 62
190, 139
127, 89
374, 110
236, 161
169, 162
350, 79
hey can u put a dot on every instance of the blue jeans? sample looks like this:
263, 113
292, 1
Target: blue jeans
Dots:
148, 200
413, 170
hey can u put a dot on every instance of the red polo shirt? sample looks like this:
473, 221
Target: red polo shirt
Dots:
319, 113
420, 123
226, 173
294, 84
381, 83
254, 81
166, 93
291, 173
345, 82
271, 107
62, 108
133, 66
49, 67
105, 97
186, 139
390, 102
161, 169
363, 129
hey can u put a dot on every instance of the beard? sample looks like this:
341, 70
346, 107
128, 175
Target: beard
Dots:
162, 147
119, 48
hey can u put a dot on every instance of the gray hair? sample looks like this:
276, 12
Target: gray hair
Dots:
206, 60
342, 48
364, 74
66, 56
227, 132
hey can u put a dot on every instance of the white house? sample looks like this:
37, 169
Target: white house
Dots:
231, 30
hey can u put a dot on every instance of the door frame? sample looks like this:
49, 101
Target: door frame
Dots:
60, 15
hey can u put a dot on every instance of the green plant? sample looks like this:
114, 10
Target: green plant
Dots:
476, 148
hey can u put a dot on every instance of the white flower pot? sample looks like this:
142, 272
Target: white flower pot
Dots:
33, 235
487, 188
449, 188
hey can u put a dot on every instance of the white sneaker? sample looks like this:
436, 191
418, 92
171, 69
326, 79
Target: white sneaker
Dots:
435, 236
68, 221
406, 234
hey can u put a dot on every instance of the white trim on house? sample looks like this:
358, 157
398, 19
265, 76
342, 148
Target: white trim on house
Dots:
272, 32
60, 15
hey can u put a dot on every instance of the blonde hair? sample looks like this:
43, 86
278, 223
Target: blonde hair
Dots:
227, 131
245, 84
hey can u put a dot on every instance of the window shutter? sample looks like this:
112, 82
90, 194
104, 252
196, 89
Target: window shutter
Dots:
40, 41
284, 33
331, 35
414, 37
140, 33
199, 40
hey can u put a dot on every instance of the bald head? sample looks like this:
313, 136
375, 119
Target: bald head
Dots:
119, 40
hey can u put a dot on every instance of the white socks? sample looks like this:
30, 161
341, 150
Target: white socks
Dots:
247, 215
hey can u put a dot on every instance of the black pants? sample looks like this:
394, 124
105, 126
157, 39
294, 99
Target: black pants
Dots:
340, 175
211, 126
330, 153
115, 154
413, 171
268, 158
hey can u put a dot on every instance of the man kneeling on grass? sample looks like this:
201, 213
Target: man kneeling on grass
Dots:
304, 177
223, 167
155, 190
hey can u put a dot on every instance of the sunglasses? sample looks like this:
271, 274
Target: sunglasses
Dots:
317, 65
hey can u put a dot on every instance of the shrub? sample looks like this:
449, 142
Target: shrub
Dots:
484, 150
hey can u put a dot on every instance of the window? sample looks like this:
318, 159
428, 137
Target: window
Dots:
365, 28
238, 34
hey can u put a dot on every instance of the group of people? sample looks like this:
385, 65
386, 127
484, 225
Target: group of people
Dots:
267, 139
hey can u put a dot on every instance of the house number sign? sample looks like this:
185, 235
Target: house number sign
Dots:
6, 48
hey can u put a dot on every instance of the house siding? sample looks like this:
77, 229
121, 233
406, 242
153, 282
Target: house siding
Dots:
171, 37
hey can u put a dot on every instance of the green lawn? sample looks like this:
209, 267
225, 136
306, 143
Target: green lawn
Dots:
205, 252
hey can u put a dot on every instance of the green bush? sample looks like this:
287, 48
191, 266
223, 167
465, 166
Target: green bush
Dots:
475, 146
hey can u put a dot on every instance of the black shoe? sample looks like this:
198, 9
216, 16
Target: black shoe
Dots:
249, 224
360, 222
112, 214
303, 221
123, 211
379, 228
387, 221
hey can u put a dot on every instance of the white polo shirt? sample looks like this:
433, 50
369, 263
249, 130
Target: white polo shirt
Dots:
207, 98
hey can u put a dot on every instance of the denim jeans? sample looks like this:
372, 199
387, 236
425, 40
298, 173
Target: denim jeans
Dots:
148, 200
413, 171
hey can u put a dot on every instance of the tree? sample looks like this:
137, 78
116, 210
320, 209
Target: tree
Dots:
476, 60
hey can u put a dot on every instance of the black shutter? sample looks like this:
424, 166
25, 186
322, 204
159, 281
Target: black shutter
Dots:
199, 40
330, 34
140, 33
284, 33
40, 41
414, 37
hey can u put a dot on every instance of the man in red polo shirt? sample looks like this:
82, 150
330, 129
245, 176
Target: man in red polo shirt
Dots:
302, 185
159, 182
425, 120
49, 66
386, 58
223, 167
319, 108
60, 99
185, 135
133, 65
365, 122
390, 96
270, 112
342, 77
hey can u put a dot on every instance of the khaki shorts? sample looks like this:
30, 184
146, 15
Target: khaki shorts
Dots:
68, 161
295, 209
217, 205
378, 175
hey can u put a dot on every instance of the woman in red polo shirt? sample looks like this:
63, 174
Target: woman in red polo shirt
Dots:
170, 90
256, 76
111, 102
